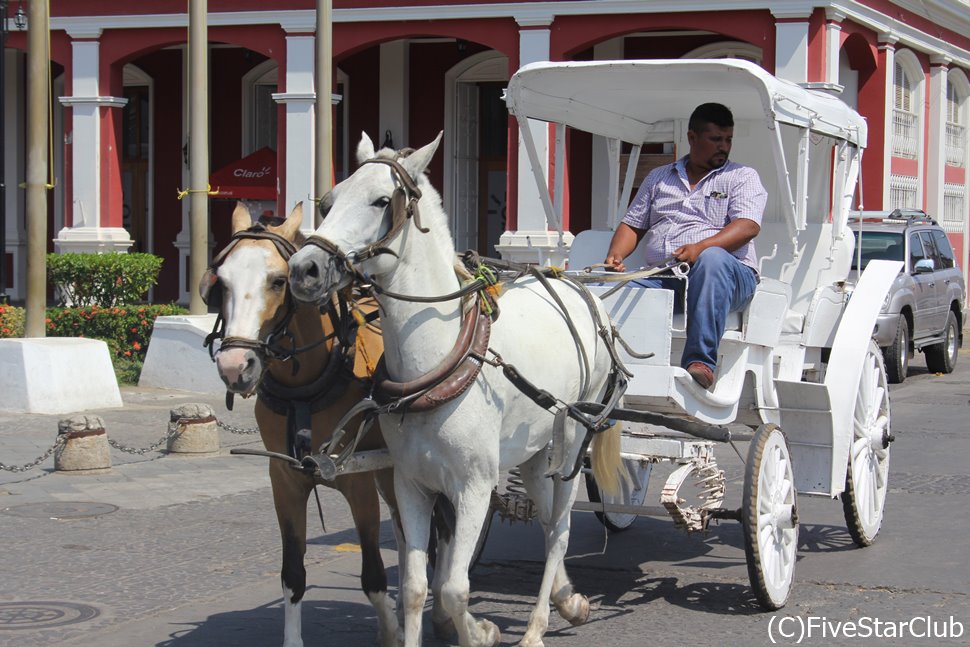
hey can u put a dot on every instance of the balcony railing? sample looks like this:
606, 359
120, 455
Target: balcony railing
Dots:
905, 134
956, 144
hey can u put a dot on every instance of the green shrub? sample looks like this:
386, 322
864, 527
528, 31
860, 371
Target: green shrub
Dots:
103, 280
11, 321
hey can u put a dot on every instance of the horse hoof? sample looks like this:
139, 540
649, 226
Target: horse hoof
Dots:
491, 633
445, 630
531, 642
575, 610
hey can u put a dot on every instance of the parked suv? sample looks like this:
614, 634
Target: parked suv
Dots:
924, 310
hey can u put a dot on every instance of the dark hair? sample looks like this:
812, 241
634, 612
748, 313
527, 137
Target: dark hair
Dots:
710, 113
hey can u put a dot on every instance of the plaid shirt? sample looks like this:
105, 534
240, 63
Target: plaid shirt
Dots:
674, 215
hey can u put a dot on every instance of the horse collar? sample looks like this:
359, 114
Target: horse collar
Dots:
449, 379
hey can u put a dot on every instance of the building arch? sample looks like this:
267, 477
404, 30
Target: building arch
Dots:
462, 192
728, 49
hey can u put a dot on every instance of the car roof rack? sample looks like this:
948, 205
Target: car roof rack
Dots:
909, 216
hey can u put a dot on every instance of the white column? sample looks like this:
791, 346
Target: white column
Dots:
600, 180
85, 234
395, 84
936, 153
887, 44
533, 242
791, 45
299, 99
833, 45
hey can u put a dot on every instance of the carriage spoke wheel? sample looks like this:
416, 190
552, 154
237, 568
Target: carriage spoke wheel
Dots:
769, 517
867, 476
633, 491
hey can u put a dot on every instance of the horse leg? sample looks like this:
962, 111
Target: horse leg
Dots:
473, 504
415, 509
290, 493
554, 499
385, 485
444, 627
361, 493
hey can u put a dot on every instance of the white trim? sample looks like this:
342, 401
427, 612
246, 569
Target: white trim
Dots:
950, 13
266, 73
910, 64
107, 102
488, 66
135, 76
728, 49
294, 97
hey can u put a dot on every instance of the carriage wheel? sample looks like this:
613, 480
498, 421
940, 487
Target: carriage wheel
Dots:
867, 476
769, 517
633, 491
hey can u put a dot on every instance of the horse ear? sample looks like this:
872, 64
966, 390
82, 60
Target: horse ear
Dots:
365, 149
241, 218
416, 162
291, 225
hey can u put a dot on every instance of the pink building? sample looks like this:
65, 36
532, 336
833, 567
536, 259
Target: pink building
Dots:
405, 70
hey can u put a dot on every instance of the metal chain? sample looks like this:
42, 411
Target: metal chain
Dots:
237, 430
173, 431
37, 461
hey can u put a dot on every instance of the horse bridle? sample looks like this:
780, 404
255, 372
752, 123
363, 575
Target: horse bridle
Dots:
403, 206
210, 282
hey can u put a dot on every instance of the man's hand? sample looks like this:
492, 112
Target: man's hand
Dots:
615, 264
624, 241
689, 253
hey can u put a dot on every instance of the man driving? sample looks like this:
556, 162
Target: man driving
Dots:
703, 210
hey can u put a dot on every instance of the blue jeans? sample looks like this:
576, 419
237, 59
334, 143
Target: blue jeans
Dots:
719, 284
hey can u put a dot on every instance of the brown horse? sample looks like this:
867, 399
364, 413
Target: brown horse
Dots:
303, 367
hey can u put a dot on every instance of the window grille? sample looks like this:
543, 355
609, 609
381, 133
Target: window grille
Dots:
903, 192
956, 131
954, 208
905, 119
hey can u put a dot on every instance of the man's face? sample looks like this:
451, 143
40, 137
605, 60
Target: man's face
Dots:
709, 148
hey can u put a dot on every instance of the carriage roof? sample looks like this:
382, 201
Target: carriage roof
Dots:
635, 100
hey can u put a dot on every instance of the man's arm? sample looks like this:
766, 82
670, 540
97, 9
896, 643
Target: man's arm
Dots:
734, 236
625, 240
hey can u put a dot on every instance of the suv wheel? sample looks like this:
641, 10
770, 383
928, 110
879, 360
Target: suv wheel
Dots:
942, 358
897, 353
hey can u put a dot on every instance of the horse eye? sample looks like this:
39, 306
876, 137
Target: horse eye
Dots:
380, 203
278, 283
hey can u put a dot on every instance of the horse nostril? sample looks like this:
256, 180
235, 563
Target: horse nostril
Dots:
312, 269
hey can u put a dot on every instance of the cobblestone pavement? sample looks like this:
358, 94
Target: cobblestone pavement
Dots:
190, 557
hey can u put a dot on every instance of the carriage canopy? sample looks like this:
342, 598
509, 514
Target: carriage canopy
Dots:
634, 101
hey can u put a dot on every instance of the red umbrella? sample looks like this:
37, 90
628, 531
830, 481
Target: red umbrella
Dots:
250, 178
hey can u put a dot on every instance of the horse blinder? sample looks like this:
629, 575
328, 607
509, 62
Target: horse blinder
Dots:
210, 289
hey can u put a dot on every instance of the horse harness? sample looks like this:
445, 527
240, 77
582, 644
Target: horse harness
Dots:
297, 403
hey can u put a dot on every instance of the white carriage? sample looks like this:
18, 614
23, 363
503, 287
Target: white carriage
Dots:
798, 364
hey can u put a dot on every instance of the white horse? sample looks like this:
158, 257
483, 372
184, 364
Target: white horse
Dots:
459, 448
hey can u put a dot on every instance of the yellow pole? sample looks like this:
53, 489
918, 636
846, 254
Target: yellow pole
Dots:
38, 90
324, 112
198, 151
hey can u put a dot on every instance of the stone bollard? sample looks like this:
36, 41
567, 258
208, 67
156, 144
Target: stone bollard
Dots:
197, 427
84, 449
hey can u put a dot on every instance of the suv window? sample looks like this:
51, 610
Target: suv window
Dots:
880, 245
916, 252
944, 250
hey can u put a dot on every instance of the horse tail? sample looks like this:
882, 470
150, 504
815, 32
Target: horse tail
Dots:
607, 465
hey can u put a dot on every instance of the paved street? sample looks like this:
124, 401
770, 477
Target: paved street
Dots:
190, 556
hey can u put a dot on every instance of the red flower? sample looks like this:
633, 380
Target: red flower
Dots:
134, 329
127, 353
136, 346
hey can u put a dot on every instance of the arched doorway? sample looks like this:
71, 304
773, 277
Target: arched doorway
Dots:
136, 158
476, 151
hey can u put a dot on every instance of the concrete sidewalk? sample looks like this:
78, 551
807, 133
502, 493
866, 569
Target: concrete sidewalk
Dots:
95, 558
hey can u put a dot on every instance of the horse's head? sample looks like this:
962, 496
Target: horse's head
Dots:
366, 221
247, 282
